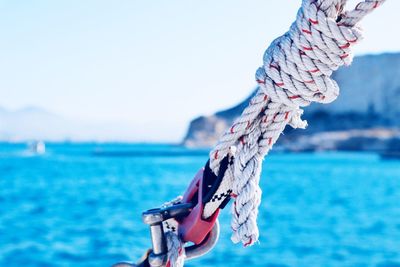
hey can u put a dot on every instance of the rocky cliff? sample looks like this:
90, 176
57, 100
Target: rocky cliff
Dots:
367, 108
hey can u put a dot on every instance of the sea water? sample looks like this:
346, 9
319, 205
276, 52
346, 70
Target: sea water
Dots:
81, 204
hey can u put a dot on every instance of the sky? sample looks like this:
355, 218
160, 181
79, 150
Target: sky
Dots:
153, 65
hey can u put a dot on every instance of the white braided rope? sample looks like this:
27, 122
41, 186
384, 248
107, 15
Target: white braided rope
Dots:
296, 72
176, 249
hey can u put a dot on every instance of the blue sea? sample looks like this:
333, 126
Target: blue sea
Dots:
81, 204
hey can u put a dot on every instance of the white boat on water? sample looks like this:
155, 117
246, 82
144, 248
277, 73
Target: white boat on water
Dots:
37, 147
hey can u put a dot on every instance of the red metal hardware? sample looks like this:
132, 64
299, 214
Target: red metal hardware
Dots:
193, 227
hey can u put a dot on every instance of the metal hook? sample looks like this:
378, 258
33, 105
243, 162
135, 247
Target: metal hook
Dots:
204, 233
195, 251
192, 252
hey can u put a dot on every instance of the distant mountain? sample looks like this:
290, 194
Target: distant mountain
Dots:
369, 99
31, 123
34, 123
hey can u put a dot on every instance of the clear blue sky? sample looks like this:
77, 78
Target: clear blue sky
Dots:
152, 64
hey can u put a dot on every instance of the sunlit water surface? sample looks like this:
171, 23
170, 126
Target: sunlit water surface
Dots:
81, 204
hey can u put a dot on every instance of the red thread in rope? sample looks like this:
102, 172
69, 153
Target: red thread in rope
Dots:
352, 41
345, 46
261, 81
248, 125
216, 154
270, 141
307, 48
248, 243
313, 71
233, 126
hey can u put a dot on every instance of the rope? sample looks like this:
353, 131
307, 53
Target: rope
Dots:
176, 249
296, 72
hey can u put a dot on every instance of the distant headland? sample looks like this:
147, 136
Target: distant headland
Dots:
366, 116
